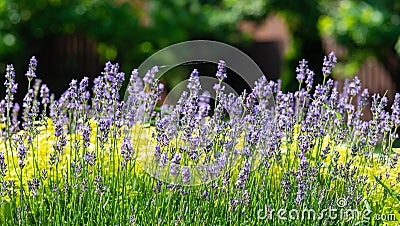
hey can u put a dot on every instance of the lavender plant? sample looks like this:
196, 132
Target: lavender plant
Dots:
91, 158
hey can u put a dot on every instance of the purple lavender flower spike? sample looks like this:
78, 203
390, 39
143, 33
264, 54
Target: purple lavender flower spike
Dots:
185, 174
355, 87
21, 154
34, 186
27, 104
310, 79
205, 195
2, 111
86, 130
90, 158
45, 94
3, 164
219, 88
72, 94
301, 177
157, 153
31, 73
194, 83
83, 94
286, 184
175, 164
126, 151
243, 175
363, 99
204, 104
221, 72
301, 70
175, 168
11, 86
329, 63
396, 110
149, 77
83, 84
163, 160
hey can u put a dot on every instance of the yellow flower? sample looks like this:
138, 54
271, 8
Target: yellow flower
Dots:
397, 150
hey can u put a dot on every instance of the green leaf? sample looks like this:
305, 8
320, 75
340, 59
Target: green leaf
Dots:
389, 191
317, 161
367, 205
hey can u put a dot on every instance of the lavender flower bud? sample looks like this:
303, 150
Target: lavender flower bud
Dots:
221, 72
86, 130
45, 94
2, 110
31, 73
355, 86
149, 77
286, 184
11, 86
329, 63
396, 110
175, 164
163, 160
21, 154
243, 175
126, 150
205, 195
194, 83
363, 99
34, 186
310, 79
90, 158
3, 164
301, 70
185, 174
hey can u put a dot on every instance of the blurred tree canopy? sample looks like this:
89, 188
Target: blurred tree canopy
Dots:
365, 28
130, 31
301, 18
126, 31
25, 22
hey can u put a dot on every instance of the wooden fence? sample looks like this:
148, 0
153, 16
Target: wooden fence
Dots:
372, 74
66, 57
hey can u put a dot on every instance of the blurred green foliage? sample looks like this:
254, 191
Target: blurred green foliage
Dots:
24, 22
130, 31
301, 18
365, 28
126, 31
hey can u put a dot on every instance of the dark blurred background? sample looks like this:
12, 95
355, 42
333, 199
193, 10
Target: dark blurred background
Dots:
74, 38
